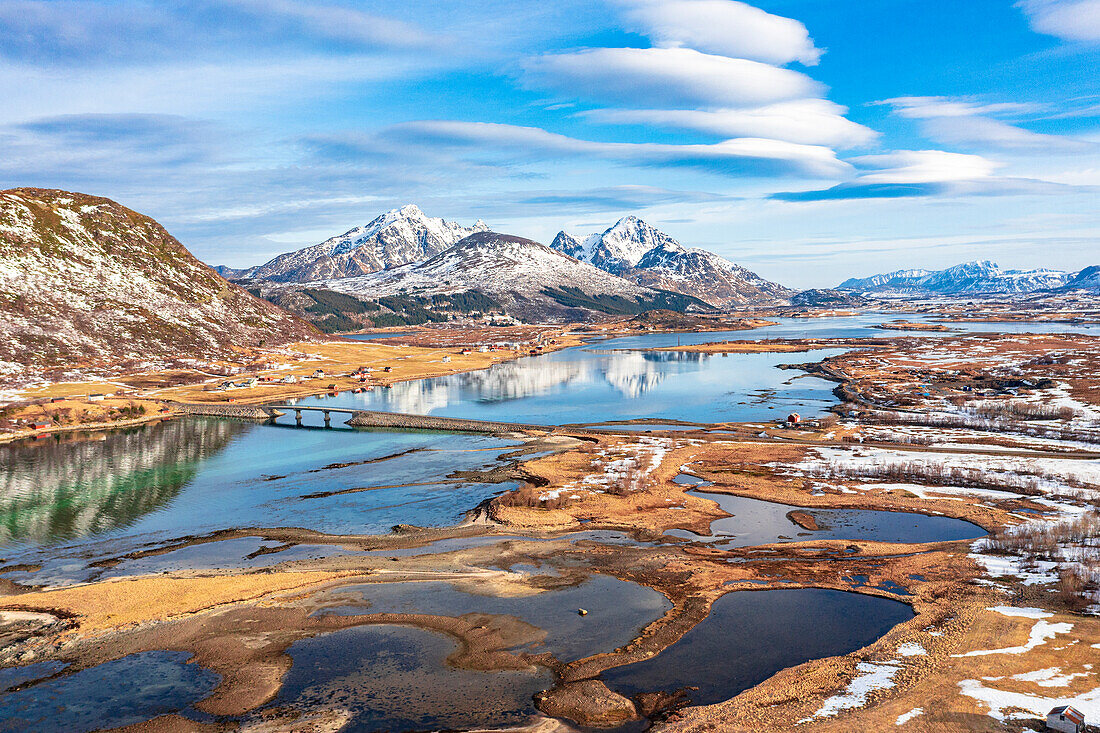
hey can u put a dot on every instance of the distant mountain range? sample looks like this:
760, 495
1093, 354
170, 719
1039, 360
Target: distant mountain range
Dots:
518, 276
631, 251
975, 278
87, 283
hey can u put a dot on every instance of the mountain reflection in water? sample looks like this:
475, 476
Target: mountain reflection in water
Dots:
53, 490
584, 384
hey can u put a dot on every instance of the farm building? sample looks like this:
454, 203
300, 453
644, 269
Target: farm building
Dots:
1066, 719
41, 425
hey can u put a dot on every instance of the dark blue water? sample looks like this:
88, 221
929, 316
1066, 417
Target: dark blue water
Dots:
757, 522
110, 695
751, 635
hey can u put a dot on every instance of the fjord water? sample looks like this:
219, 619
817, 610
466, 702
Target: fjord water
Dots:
592, 384
617, 379
196, 475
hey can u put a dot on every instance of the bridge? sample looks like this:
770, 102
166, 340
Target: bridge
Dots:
275, 411
359, 418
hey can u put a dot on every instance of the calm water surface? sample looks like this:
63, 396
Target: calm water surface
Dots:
751, 635
107, 695
757, 522
395, 678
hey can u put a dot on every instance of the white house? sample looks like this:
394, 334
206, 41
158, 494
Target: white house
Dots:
1066, 719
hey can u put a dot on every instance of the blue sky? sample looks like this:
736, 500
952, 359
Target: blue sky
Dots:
808, 140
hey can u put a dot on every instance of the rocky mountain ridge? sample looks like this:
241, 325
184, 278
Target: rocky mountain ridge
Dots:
397, 237
647, 256
528, 280
86, 283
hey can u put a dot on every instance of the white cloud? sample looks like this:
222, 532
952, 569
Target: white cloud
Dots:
965, 122
1071, 20
807, 121
666, 77
741, 156
924, 166
724, 27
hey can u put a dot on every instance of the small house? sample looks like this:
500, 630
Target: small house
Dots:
388, 369
1066, 719
56, 399
447, 359
96, 397
794, 418
318, 374
41, 425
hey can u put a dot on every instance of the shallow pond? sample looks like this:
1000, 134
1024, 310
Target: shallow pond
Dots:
757, 522
105, 696
751, 635
617, 610
395, 678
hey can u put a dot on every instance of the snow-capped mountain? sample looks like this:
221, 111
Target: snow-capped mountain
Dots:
618, 248
1087, 279
972, 278
398, 237
530, 280
90, 283
647, 256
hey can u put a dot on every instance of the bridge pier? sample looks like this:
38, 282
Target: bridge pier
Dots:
298, 416
328, 418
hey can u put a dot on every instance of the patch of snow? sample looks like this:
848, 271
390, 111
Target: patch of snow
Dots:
906, 717
873, 677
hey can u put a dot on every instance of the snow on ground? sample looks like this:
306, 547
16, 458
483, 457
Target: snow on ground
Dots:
874, 676
1050, 677
1042, 632
1000, 702
1054, 474
611, 467
911, 649
1040, 572
906, 717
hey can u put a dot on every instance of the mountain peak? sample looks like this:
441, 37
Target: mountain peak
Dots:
398, 237
647, 256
